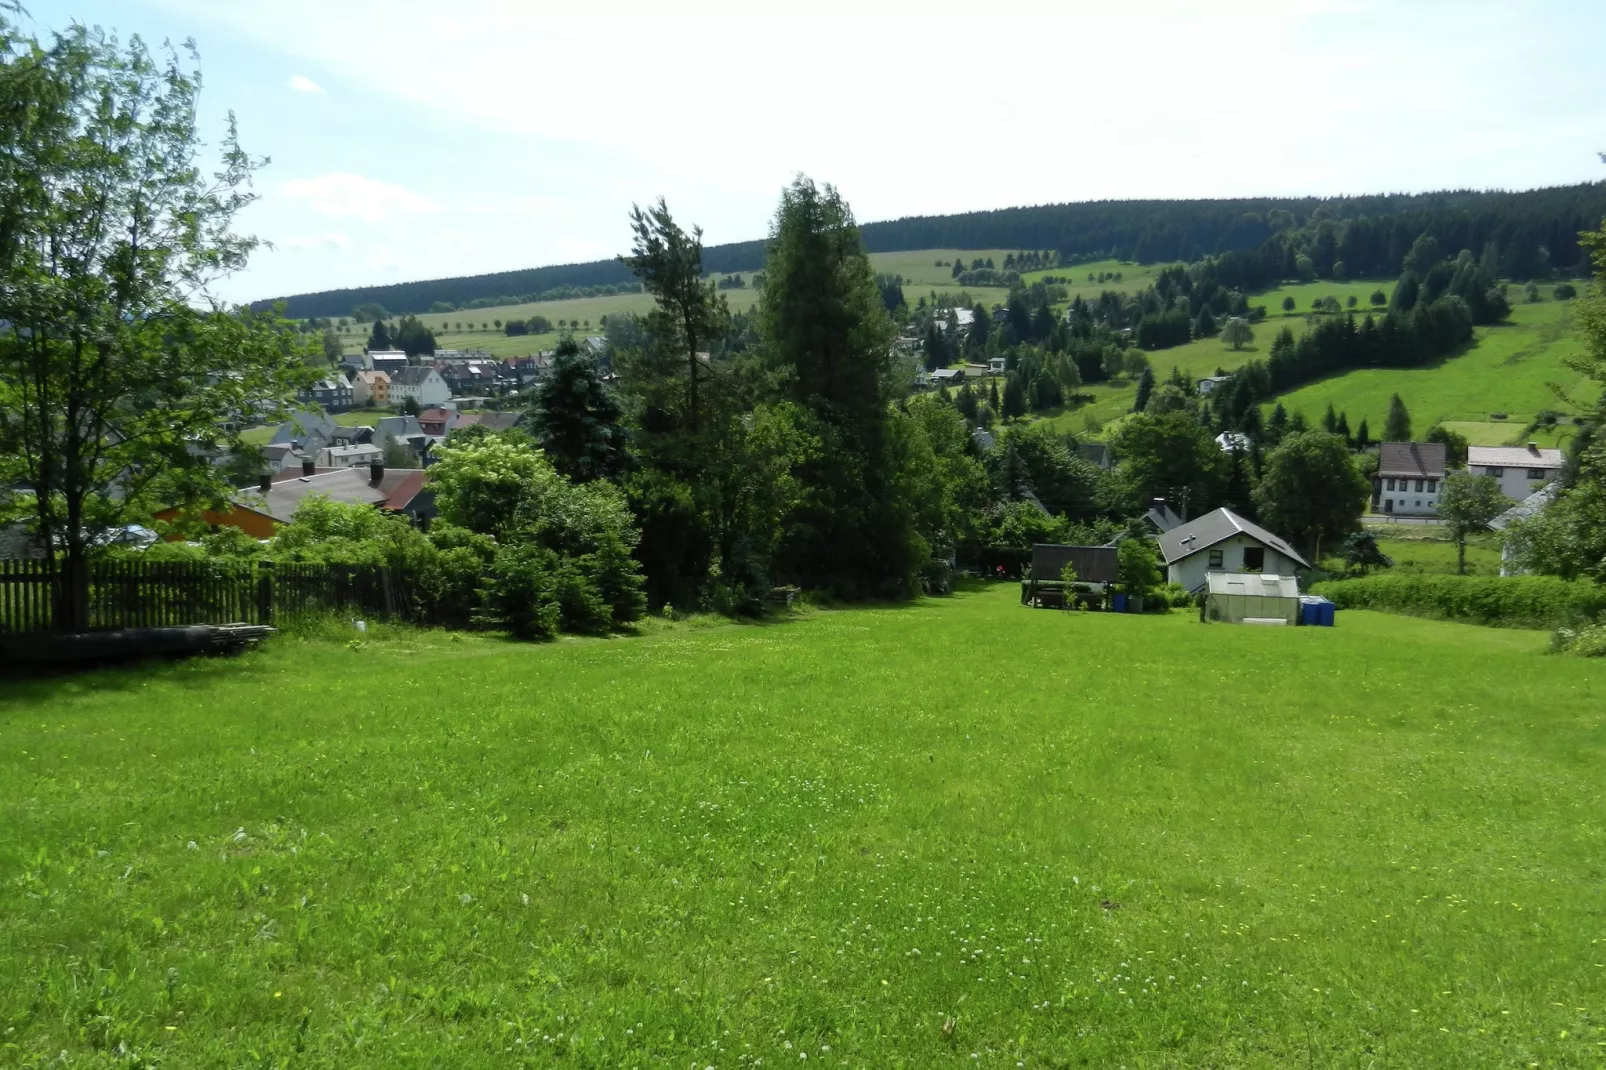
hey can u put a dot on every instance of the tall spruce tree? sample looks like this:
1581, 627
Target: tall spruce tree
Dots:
1145, 389
379, 337
1397, 425
576, 418
827, 336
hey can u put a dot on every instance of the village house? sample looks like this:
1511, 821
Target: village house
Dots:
996, 365
371, 389
261, 510
1223, 541
423, 385
1519, 470
333, 393
385, 360
1207, 386
947, 377
352, 456
1409, 478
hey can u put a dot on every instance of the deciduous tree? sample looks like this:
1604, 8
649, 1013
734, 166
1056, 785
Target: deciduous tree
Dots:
1466, 505
116, 362
1311, 491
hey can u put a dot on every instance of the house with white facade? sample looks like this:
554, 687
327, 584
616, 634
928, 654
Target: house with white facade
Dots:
1520, 470
423, 385
355, 456
1223, 541
1409, 477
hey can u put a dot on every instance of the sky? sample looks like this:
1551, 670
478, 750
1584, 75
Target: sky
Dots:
412, 139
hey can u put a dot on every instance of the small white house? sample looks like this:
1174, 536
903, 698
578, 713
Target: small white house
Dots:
1223, 541
995, 365
1206, 387
423, 385
1519, 470
349, 456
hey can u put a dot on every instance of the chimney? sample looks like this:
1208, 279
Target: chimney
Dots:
1533, 448
376, 471
265, 484
309, 467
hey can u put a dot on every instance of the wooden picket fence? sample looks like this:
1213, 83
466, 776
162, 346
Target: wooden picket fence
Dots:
143, 594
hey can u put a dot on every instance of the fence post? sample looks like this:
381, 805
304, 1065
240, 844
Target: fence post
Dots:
265, 592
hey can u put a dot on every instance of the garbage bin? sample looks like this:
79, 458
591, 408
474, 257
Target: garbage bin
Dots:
1120, 603
1328, 612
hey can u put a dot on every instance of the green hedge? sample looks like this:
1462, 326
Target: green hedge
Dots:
1512, 601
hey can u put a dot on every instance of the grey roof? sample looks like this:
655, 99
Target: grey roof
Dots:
397, 427
305, 425
1513, 457
1161, 516
1097, 452
1417, 460
394, 489
412, 375
1528, 508
1207, 530
1255, 584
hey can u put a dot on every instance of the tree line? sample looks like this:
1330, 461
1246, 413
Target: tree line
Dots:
1535, 233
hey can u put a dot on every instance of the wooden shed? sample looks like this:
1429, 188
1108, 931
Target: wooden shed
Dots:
1096, 568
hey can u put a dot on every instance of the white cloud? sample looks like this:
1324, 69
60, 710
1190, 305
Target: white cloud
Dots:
302, 84
343, 195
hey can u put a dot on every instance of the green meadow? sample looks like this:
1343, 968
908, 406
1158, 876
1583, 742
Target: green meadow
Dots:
1508, 369
1135, 841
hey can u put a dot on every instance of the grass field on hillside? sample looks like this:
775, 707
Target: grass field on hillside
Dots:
1425, 550
1508, 368
1134, 841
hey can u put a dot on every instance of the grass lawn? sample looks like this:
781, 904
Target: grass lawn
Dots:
1138, 841
1429, 552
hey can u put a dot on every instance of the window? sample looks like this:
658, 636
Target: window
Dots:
1419, 489
1433, 486
1391, 485
1496, 472
1388, 505
1215, 558
1538, 473
1419, 504
1254, 559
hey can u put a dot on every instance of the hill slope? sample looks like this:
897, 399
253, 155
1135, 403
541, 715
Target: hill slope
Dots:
1369, 234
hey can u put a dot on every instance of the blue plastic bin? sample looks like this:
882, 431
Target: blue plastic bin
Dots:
1120, 603
1310, 613
1328, 610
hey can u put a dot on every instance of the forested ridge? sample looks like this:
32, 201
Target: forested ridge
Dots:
1535, 231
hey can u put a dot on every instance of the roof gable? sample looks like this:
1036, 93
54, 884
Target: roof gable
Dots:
1212, 528
1418, 460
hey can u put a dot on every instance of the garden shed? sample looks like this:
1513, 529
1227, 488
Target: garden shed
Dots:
1251, 597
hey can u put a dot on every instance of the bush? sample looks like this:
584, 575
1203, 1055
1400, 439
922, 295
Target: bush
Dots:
1588, 642
1509, 601
522, 593
1176, 596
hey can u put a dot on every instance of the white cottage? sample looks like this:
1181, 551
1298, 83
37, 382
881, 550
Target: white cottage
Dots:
1223, 541
1519, 471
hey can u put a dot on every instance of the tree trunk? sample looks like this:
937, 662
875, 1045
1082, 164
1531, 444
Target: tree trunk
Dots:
1461, 556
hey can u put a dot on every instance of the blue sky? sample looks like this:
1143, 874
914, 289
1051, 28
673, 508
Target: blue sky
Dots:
415, 139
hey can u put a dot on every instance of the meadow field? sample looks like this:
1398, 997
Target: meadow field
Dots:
1508, 369
1135, 841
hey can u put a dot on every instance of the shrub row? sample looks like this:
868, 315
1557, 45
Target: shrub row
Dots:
1510, 601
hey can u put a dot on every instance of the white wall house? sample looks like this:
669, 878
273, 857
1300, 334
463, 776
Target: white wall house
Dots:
1409, 477
423, 385
1520, 470
349, 456
1223, 541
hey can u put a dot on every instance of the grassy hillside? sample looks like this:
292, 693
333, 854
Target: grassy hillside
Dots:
1164, 844
1508, 368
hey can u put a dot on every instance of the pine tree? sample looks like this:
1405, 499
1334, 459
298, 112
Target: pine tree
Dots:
379, 337
1014, 397
1397, 426
1341, 428
1205, 325
992, 394
1330, 419
1363, 435
1145, 389
576, 418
